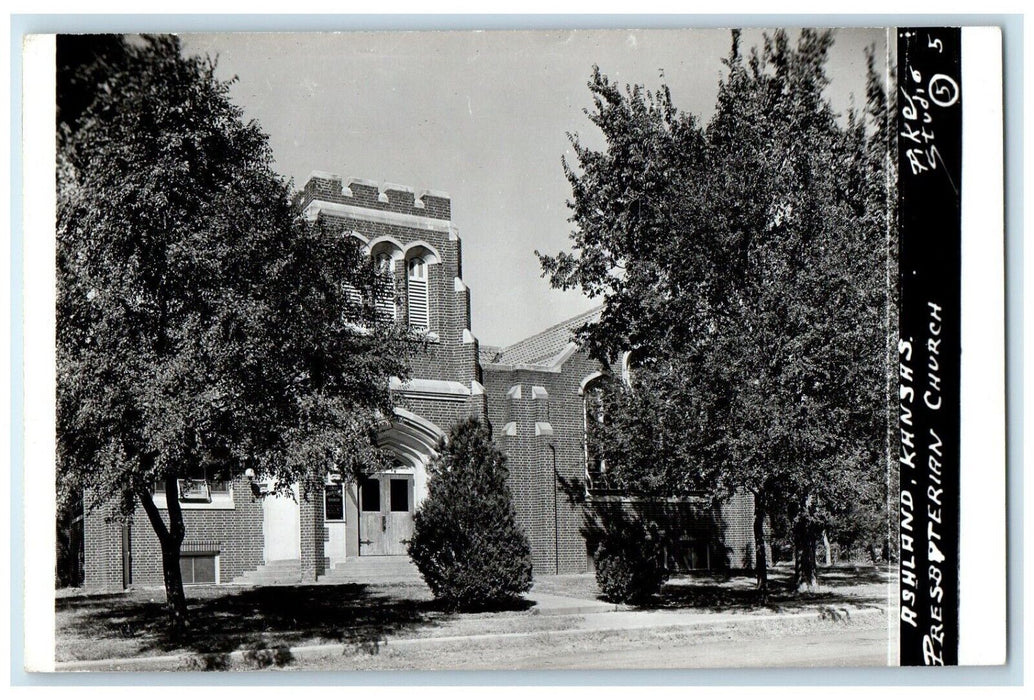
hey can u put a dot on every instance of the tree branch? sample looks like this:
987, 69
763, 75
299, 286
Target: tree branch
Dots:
152, 513
172, 499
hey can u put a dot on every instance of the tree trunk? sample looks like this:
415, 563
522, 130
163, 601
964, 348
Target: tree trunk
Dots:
170, 538
805, 570
760, 557
825, 545
175, 600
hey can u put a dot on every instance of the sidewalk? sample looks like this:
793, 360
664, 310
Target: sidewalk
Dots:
556, 616
550, 604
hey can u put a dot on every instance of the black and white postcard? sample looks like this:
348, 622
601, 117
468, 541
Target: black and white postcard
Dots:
493, 350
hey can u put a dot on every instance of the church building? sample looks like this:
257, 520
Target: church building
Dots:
535, 394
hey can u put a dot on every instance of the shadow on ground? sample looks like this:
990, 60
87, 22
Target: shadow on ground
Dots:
861, 587
735, 590
272, 618
841, 576
509, 605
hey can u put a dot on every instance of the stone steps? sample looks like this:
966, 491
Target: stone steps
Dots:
373, 569
379, 570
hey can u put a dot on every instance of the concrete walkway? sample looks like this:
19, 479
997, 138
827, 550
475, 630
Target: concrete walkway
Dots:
549, 604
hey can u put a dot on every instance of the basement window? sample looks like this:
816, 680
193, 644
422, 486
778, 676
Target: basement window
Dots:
198, 568
219, 488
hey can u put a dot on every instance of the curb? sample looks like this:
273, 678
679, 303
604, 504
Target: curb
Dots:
280, 656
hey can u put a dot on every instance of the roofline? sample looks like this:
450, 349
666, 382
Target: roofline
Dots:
555, 326
552, 361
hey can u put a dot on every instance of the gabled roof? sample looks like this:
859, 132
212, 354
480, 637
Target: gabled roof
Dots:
542, 348
489, 353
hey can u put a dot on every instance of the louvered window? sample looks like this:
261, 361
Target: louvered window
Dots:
384, 293
419, 314
353, 295
354, 302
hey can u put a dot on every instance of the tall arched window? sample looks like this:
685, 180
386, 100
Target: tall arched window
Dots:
416, 294
384, 291
592, 412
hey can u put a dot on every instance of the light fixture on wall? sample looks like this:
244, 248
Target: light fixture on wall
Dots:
258, 490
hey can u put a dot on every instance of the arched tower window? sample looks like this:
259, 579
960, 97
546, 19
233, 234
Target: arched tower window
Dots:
384, 291
354, 299
416, 294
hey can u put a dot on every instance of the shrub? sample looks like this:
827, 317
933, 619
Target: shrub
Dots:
628, 565
466, 541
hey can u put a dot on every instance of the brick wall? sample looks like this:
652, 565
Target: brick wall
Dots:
313, 535
547, 471
102, 550
236, 534
547, 497
736, 524
369, 195
687, 530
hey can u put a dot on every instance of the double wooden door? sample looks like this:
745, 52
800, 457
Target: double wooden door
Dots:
385, 514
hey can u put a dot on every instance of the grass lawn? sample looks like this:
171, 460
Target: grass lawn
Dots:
362, 617
225, 619
865, 586
582, 586
861, 585
229, 618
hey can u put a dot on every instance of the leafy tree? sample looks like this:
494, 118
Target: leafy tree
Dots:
633, 205
656, 439
69, 565
203, 326
811, 288
629, 560
466, 540
745, 266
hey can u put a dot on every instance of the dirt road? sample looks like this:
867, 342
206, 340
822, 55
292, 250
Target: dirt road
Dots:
840, 647
816, 645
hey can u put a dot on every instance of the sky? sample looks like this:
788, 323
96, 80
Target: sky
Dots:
483, 116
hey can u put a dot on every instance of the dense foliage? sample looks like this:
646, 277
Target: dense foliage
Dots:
745, 265
203, 326
629, 564
466, 540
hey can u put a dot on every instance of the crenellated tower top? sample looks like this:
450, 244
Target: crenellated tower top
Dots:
368, 194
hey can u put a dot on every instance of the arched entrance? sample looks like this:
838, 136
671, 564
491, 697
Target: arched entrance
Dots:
386, 508
387, 500
375, 517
